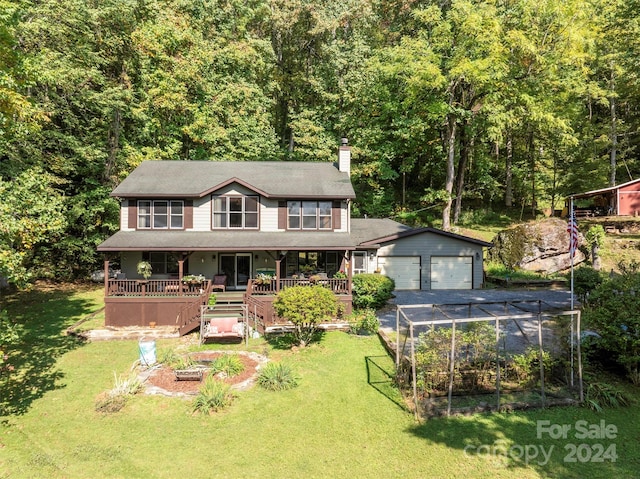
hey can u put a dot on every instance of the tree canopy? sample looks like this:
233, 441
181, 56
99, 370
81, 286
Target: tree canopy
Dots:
448, 105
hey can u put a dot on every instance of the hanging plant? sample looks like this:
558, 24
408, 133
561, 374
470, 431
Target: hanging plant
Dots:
144, 269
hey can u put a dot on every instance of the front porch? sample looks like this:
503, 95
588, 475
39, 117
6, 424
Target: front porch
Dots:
174, 303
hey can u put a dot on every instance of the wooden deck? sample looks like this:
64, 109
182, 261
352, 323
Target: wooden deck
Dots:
184, 306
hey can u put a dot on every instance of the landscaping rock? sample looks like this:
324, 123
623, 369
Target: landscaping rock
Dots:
541, 246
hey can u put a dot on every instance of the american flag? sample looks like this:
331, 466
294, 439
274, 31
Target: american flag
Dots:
572, 229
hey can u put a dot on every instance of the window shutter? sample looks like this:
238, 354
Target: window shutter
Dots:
336, 215
188, 214
133, 214
282, 215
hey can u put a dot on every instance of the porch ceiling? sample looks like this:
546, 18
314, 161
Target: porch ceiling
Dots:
155, 240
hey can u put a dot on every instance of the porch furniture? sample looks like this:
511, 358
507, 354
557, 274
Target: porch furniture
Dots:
219, 282
225, 327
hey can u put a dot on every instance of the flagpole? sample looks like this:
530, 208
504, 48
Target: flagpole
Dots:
572, 220
571, 248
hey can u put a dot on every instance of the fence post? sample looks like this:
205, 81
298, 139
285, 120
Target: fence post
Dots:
498, 364
452, 364
541, 358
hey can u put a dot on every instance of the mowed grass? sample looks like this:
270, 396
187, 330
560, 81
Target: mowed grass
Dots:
345, 419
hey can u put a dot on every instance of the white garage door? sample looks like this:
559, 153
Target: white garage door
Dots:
451, 272
404, 270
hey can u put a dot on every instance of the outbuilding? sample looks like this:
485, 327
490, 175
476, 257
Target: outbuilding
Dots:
417, 258
619, 200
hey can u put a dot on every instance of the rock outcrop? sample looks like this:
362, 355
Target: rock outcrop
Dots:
541, 246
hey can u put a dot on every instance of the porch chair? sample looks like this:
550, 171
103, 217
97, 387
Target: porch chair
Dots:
219, 282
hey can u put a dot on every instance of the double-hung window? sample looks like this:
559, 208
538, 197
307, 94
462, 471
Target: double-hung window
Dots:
160, 214
235, 212
309, 215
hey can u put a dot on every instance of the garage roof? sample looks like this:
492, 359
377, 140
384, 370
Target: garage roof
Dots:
372, 232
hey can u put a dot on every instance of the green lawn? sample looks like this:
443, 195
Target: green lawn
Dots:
344, 420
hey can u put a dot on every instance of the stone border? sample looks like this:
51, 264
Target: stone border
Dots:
244, 385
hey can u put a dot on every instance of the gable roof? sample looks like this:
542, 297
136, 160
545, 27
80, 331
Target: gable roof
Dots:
364, 230
604, 190
272, 179
372, 232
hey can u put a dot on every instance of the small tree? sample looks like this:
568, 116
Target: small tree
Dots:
595, 238
305, 307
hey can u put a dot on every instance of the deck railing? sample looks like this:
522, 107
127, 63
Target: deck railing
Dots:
337, 285
156, 287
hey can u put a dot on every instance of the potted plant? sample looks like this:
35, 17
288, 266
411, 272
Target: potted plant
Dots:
212, 301
263, 278
193, 279
144, 269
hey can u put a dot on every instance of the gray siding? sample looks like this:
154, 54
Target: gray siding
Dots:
430, 244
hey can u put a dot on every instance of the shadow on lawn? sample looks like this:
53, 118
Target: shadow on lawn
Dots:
41, 317
382, 380
509, 442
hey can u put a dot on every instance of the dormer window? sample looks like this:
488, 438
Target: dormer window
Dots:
160, 214
309, 215
235, 212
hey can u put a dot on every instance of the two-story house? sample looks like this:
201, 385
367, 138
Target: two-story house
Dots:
290, 220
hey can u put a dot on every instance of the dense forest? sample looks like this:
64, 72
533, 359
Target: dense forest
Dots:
449, 105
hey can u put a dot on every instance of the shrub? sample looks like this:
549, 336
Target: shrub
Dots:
602, 395
229, 364
585, 280
305, 307
174, 360
474, 356
277, 377
213, 396
115, 399
526, 366
364, 321
372, 290
613, 313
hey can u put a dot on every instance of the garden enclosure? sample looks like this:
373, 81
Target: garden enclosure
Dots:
472, 357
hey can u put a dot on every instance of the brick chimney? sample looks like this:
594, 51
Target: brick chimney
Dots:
344, 156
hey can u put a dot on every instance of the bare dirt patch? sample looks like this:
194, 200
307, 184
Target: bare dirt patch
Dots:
162, 379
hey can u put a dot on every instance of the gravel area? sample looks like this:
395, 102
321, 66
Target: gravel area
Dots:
518, 334
550, 299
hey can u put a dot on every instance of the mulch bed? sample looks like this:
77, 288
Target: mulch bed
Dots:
163, 377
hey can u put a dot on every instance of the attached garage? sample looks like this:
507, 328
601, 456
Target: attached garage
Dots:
451, 272
404, 270
419, 258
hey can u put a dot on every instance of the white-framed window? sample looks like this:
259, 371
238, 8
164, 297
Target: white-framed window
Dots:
235, 212
160, 214
309, 215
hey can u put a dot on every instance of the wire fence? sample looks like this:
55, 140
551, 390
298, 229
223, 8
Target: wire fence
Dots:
490, 356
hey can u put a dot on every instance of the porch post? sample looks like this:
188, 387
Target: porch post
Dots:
106, 277
180, 272
347, 265
278, 262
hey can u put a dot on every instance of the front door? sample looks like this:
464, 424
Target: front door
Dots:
237, 267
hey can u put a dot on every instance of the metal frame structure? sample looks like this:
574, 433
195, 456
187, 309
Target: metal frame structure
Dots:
479, 312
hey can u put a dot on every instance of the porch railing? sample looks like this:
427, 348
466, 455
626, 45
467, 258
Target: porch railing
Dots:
156, 287
337, 285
